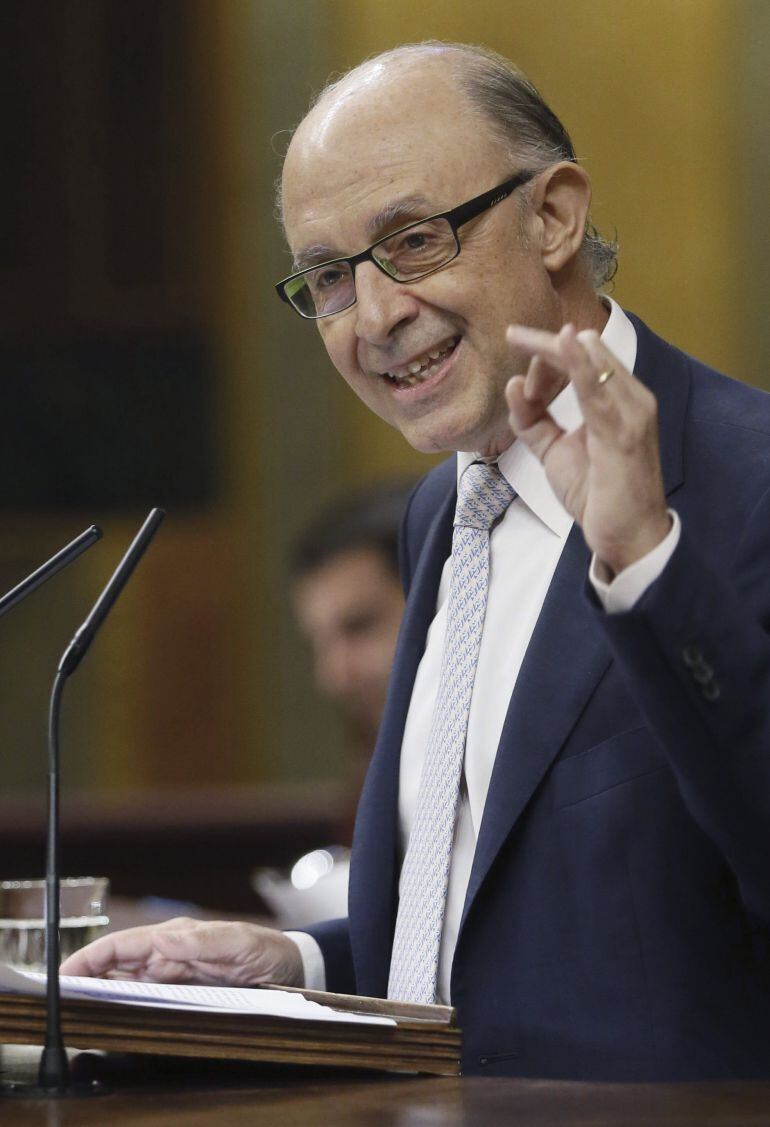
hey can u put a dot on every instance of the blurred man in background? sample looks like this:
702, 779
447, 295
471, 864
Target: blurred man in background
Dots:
348, 601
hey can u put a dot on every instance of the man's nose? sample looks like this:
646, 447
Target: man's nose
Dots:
381, 304
336, 669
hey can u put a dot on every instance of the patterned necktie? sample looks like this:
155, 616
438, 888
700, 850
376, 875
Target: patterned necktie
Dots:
483, 497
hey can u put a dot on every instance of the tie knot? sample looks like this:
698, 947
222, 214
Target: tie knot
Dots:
482, 497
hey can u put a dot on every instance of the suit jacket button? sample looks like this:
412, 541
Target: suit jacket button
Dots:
702, 673
691, 656
710, 691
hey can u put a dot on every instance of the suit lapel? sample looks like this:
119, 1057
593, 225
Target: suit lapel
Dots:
373, 893
565, 660
567, 654
666, 372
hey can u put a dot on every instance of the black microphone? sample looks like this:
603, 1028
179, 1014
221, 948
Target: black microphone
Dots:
53, 1075
74, 549
78, 647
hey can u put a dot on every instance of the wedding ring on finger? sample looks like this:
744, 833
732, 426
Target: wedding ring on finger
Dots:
606, 375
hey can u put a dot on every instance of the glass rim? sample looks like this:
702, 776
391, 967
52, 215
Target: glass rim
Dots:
26, 883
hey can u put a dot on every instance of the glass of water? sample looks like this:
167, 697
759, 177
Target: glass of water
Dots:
83, 917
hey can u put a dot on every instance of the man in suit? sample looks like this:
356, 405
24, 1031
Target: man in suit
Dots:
606, 892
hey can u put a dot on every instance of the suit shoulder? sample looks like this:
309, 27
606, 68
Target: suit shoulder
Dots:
713, 397
722, 424
728, 434
720, 400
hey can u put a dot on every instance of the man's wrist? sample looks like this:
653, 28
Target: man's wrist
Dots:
313, 966
611, 562
619, 593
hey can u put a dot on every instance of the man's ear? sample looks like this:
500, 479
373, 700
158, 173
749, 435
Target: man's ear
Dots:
561, 200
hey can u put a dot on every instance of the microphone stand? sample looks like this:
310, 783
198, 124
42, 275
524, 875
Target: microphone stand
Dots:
53, 1074
11, 599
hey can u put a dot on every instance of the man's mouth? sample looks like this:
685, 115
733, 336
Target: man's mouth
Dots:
420, 369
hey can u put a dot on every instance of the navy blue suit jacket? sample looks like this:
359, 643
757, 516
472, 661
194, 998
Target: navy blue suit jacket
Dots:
617, 917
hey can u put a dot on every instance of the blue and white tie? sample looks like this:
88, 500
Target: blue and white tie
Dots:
483, 497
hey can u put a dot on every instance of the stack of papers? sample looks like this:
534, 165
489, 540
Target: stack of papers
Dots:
263, 1023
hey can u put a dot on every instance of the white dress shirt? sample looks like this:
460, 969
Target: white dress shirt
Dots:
525, 547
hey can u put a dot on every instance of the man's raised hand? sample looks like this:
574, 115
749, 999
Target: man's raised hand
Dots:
607, 472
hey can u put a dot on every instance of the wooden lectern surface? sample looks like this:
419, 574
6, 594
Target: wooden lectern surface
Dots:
196, 1096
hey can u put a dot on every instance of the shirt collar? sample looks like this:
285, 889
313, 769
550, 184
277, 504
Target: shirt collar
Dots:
518, 464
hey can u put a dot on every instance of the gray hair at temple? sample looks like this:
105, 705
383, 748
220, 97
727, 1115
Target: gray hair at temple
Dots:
521, 121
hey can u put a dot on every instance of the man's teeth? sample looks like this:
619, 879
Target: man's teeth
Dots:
420, 370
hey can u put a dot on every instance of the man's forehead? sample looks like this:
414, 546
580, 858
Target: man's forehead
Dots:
386, 159
375, 118
388, 96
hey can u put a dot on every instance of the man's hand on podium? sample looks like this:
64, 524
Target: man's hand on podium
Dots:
192, 951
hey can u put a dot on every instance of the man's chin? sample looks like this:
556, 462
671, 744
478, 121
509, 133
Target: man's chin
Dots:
433, 435
457, 438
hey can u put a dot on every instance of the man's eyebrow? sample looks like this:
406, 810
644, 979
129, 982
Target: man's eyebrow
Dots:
392, 215
310, 256
400, 212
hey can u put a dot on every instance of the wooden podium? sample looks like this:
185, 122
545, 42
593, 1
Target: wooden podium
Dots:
421, 1039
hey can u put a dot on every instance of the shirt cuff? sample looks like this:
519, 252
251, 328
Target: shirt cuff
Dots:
313, 965
628, 586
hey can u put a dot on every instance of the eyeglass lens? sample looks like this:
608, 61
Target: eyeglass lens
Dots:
405, 256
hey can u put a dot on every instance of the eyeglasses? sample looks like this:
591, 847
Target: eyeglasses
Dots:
406, 255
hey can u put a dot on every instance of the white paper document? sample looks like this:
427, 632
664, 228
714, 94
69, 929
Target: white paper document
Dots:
212, 999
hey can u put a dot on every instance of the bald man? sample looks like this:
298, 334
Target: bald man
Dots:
598, 903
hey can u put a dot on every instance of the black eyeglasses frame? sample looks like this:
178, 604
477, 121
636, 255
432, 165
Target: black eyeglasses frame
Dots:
455, 217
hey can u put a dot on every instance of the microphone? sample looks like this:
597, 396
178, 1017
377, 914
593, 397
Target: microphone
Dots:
71, 552
53, 1075
84, 636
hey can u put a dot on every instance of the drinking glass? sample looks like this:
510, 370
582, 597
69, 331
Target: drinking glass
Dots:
83, 917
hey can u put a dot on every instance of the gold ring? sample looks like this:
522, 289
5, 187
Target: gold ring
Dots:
607, 374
